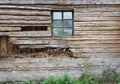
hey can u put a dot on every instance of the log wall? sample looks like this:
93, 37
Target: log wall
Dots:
96, 28
96, 36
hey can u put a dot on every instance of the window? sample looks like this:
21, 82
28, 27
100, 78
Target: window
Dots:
62, 23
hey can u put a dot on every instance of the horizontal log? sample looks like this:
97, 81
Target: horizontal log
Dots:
30, 33
10, 28
97, 24
3, 33
96, 50
82, 45
86, 19
23, 7
23, 22
25, 18
105, 36
24, 12
94, 41
77, 38
73, 39
97, 9
26, 34
76, 2
68, 39
97, 14
96, 28
95, 45
29, 42
97, 32
30, 38
68, 42
64, 41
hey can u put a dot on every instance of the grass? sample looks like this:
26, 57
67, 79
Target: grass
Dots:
108, 76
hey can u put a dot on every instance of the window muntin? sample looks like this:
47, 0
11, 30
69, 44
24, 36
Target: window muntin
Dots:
62, 23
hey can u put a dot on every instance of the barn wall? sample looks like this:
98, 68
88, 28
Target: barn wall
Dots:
96, 28
96, 39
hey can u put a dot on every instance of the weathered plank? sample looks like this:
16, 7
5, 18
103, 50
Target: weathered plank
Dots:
3, 45
76, 2
96, 28
97, 14
90, 19
24, 12
82, 45
30, 41
101, 35
97, 32
30, 33
10, 28
97, 50
97, 9
23, 22
95, 41
25, 18
23, 7
97, 24
78, 38
4, 33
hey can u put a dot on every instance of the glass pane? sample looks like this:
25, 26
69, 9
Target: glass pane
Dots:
57, 15
57, 23
67, 23
67, 15
57, 31
68, 31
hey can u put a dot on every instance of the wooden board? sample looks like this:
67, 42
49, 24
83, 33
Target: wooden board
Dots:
24, 7
98, 24
30, 34
24, 12
25, 18
97, 19
97, 50
3, 45
97, 9
96, 28
29, 42
66, 2
10, 29
97, 14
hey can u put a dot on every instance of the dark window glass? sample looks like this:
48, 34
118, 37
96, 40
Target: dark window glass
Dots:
62, 23
34, 28
67, 23
57, 23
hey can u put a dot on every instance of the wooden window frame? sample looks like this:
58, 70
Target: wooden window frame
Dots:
62, 11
